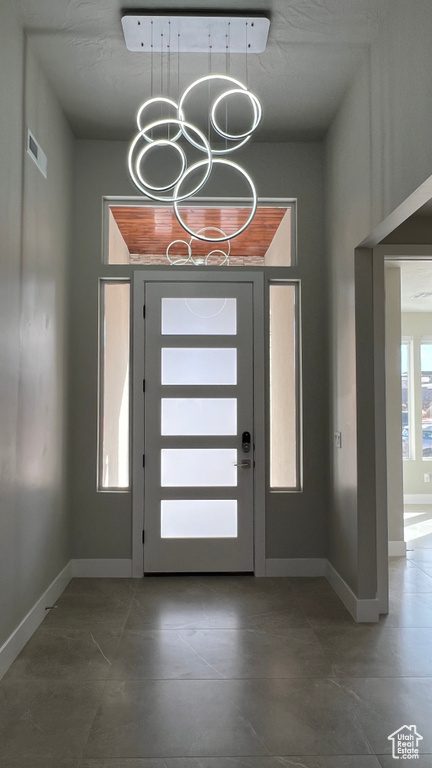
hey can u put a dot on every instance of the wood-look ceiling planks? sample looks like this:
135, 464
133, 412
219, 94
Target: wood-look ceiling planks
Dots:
148, 230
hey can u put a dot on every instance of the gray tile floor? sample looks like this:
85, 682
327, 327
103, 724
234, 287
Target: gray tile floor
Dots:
221, 672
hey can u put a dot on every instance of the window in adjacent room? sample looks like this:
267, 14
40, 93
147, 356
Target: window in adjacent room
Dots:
426, 395
406, 399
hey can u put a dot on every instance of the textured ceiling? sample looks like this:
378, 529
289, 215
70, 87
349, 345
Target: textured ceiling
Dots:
313, 51
416, 277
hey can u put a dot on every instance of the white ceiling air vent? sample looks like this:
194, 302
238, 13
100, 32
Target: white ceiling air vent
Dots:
36, 153
422, 295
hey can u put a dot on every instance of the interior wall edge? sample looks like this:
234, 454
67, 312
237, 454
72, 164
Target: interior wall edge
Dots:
361, 609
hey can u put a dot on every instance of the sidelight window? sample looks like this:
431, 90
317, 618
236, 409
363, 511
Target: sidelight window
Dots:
114, 385
283, 385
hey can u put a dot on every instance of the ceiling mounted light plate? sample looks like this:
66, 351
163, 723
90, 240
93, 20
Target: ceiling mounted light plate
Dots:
195, 32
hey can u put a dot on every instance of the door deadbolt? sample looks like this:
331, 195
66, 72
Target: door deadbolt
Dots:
246, 442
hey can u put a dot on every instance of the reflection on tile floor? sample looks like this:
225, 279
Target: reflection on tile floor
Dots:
418, 525
221, 672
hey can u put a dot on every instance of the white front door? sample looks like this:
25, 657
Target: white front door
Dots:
199, 444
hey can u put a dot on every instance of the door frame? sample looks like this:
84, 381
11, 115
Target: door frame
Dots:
380, 254
370, 255
188, 275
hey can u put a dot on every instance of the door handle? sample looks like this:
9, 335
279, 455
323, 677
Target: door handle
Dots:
245, 464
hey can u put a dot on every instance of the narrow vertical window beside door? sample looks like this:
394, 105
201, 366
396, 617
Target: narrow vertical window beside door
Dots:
114, 386
283, 384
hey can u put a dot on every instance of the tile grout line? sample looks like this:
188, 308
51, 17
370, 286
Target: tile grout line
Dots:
240, 757
310, 627
105, 683
207, 663
354, 716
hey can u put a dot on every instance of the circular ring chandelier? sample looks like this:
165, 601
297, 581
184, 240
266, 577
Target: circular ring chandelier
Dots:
209, 79
196, 138
200, 260
222, 253
135, 162
147, 104
178, 198
181, 260
146, 149
257, 115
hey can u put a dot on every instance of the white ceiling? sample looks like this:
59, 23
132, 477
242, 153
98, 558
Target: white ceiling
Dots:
314, 49
416, 277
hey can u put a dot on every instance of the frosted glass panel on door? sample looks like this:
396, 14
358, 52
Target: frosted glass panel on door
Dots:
199, 316
182, 365
207, 519
199, 416
193, 467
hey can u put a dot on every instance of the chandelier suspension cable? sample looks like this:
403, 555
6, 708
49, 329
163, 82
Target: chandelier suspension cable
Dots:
228, 72
161, 71
151, 67
178, 68
210, 54
221, 90
151, 63
209, 87
247, 59
169, 60
226, 50
168, 77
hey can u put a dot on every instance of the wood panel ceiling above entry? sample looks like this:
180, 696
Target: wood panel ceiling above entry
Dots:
148, 230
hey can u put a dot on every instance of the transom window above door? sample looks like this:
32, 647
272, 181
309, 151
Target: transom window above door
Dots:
150, 235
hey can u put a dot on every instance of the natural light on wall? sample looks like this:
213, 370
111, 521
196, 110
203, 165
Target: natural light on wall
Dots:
284, 472
114, 385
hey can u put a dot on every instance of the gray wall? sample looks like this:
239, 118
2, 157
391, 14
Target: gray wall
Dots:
378, 151
35, 233
102, 521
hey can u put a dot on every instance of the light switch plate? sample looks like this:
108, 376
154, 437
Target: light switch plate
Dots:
338, 439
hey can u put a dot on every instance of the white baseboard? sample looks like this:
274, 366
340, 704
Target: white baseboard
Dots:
296, 566
360, 610
100, 568
397, 548
22, 634
417, 498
